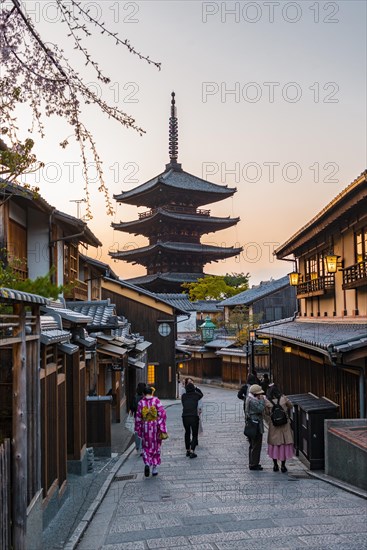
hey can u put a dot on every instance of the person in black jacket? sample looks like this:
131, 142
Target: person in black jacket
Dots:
190, 418
133, 408
242, 392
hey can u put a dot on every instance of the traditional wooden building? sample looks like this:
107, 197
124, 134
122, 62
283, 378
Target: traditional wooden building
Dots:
20, 420
156, 321
174, 224
38, 238
323, 349
269, 301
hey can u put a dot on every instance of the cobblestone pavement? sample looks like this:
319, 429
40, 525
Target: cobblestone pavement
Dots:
215, 502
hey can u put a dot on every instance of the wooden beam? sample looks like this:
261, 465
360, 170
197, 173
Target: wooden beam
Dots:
19, 500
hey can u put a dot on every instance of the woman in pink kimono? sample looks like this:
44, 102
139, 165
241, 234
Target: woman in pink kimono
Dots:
150, 426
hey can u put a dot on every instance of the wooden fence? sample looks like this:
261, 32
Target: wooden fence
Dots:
5, 496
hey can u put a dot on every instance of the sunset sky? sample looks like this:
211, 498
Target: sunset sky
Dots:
271, 99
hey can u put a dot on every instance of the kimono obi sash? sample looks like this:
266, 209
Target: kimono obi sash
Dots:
149, 414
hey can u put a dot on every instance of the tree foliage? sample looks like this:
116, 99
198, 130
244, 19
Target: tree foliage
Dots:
217, 287
40, 76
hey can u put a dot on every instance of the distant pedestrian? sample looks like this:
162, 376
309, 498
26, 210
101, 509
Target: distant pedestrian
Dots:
139, 394
265, 383
242, 392
190, 381
190, 418
255, 405
150, 425
280, 435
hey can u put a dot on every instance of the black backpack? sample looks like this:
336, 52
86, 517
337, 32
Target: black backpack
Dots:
278, 415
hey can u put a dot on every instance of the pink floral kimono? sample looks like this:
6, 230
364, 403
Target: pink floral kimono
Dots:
150, 423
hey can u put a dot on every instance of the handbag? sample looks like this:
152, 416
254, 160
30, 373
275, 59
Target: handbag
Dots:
163, 436
130, 423
252, 428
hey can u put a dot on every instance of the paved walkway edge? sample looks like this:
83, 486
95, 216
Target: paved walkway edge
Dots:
337, 483
87, 518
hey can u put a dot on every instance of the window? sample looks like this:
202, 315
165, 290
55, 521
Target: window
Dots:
315, 266
361, 245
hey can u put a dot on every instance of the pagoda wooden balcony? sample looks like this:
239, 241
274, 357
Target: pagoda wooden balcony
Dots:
317, 287
175, 208
355, 275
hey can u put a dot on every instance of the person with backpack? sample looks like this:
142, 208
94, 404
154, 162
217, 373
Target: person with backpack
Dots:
280, 435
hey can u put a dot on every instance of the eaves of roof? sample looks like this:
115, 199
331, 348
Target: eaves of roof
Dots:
357, 185
177, 179
11, 295
77, 228
179, 247
161, 213
72, 224
252, 295
144, 292
104, 268
324, 337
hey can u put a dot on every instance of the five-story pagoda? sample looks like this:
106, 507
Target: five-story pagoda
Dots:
174, 223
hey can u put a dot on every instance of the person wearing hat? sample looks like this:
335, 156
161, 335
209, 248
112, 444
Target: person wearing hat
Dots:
150, 426
255, 405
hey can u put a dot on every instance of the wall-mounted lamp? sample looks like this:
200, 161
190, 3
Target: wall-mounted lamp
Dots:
333, 263
287, 349
294, 278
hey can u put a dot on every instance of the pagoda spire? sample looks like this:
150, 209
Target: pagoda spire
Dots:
173, 136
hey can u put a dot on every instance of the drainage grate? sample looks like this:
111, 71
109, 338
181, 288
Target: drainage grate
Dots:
124, 478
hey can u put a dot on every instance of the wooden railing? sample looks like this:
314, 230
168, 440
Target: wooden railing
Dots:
321, 285
5, 496
355, 275
179, 209
79, 291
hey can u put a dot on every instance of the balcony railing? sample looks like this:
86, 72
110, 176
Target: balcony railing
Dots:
316, 287
355, 275
179, 209
79, 291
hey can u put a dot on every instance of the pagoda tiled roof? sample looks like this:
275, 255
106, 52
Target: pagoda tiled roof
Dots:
192, 248
197, 219
166, 277
176, 180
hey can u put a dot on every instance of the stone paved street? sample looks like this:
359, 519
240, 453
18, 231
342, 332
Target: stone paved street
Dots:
215, 502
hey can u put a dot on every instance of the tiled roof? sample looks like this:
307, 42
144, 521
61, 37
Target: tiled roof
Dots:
129, 284
330, 336
101, 312
104, 268
219, 343
75, 225
209, 306
193, 248
254, 294
180, 180
11, 295
169, 276
180, 301
67, 314
197, 219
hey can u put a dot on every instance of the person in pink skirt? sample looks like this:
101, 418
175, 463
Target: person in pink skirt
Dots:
280, 437
150, 426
